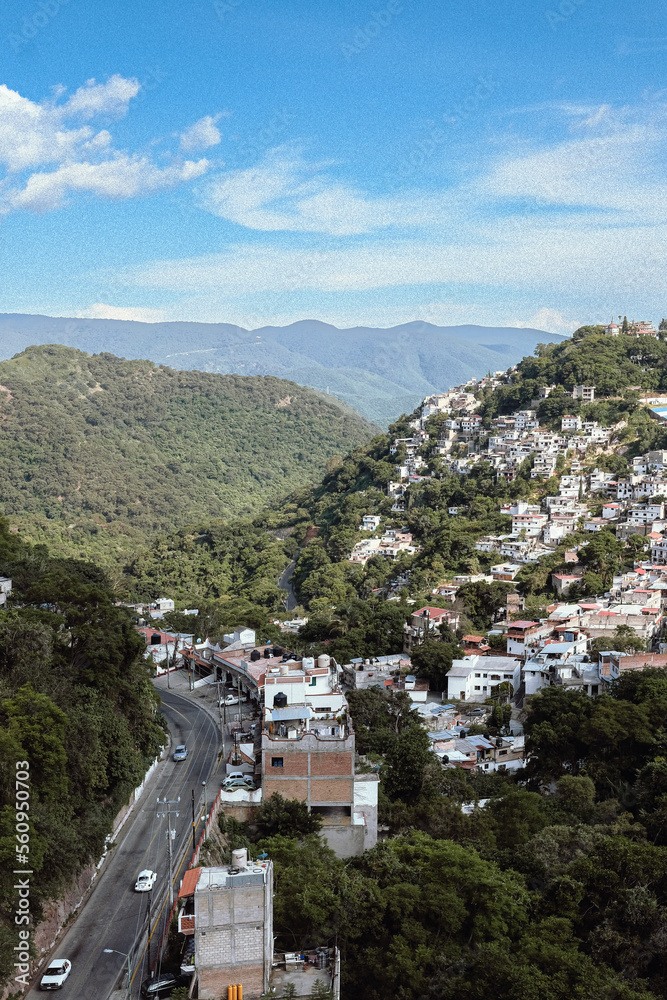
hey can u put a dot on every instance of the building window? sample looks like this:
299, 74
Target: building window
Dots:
476, 687
502, 753
495, 677
276, 762
484, 688
485, 676
478, 675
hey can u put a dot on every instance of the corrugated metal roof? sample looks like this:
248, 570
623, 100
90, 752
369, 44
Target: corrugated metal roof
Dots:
295, 712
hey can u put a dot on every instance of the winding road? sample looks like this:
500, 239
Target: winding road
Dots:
115, 916
285, 583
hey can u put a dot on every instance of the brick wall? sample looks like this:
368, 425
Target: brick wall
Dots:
293, 763
331, 763
331, 790
289, 788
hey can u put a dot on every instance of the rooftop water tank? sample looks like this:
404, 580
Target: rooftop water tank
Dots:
255, 655
277, 651
323, 660
308, 662
156, 639
240, 858
280, 700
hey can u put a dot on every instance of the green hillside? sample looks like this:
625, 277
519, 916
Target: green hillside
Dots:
99, 454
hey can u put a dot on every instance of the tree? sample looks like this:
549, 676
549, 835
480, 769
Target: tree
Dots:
603, 555
406, 762
321, 991
286, 818
433, 660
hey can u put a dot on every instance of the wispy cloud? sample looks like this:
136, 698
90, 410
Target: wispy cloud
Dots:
285, 192
47, 152
102, 311
202, 134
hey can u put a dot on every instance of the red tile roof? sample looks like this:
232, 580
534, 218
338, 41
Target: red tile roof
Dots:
189, 885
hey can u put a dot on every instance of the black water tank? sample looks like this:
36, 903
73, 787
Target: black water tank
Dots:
255, 655
267, 653
156, 639
280, 700
277, 651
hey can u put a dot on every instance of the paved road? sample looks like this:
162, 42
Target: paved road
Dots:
115, 916
285, 583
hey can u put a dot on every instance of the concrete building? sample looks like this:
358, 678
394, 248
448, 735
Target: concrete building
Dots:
473, 678
378, 671
233, 927
308, 751
585, 392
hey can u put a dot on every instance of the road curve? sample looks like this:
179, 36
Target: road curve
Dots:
285, 583
114, 916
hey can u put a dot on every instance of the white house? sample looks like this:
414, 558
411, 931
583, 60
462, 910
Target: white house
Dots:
474, 677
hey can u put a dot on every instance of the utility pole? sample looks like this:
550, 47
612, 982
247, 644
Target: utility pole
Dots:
170, 836
148, 930
167, 645
194, 843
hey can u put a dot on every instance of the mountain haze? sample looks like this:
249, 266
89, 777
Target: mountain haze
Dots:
381, 373
98, 454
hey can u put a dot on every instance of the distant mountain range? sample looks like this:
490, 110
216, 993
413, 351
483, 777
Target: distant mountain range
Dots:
381, 373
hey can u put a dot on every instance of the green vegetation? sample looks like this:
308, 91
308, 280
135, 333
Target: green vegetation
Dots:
557, 889
98, 454
76, 702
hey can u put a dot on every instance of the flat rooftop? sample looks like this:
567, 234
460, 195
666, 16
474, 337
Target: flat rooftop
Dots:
226, 877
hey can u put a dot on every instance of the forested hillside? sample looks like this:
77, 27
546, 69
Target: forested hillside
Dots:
378, 372
552, 885
77, 703
322, 522
97, 454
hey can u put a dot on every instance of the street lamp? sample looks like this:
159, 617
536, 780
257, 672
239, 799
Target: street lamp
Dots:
113, 951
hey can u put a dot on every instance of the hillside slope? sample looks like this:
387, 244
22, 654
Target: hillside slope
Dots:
379, 372
98, 454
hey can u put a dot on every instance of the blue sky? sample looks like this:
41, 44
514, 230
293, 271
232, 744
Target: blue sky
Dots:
361, 163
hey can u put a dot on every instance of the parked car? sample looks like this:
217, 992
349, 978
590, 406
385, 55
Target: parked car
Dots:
181, 752
230, 785
234, 774
229, 699
158, 986
145, 881
56, 974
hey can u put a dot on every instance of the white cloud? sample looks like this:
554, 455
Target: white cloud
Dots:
110, 98
35, 136
202, 135
122, 177
286, 193
101, 311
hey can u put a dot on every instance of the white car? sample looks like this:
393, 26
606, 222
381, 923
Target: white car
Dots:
145, 881
229, 699
56, 974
